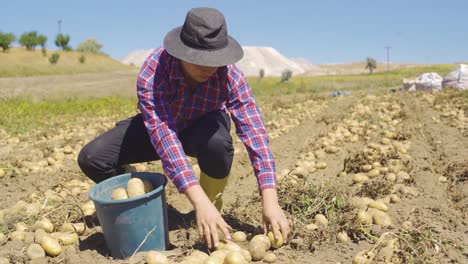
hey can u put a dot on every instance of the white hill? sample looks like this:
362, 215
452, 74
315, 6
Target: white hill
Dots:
255, 58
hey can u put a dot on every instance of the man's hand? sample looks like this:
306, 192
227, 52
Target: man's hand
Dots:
273, 215
208, 218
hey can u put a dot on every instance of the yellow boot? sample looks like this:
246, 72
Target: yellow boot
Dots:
214, 189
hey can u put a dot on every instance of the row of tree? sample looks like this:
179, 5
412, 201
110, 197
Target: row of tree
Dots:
30, 40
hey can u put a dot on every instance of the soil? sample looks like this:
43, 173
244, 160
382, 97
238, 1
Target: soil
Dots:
436, 207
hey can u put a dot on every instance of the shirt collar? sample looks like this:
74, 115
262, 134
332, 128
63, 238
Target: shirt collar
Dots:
176, 71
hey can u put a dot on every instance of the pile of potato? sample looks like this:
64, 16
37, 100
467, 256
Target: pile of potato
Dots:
229, 251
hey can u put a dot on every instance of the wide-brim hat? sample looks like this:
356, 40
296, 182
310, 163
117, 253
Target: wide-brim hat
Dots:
203, 40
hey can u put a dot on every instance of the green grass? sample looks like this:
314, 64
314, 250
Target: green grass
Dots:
18, 62
20, 115
320, 84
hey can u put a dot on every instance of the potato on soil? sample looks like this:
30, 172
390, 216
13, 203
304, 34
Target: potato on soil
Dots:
342, 237
51, 246
262, 240
153, 257
321, 220
235, 257
275, 243
45, 224
65, 238
364, 218
257, 250
381, 218
270, 258
35, 251
239, 236
135, 187
4, 260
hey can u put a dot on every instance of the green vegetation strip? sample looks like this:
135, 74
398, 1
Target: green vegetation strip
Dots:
327, 83
20, 115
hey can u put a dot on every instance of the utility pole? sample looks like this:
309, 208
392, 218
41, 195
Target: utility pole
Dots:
388, 56
59, 22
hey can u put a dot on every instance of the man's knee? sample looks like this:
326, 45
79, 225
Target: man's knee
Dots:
216, 158
93, 166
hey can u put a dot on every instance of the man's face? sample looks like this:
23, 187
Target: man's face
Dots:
197, 73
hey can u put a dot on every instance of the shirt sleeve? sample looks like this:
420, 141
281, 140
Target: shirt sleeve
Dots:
251, 129
151, 84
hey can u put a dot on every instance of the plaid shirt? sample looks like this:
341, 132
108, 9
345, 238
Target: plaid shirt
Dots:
168, 106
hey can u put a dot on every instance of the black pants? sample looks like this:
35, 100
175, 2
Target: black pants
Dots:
208, 140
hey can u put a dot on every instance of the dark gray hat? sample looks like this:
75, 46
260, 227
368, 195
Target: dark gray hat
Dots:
203, 39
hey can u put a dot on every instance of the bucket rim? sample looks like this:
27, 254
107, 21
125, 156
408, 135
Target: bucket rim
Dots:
94, 198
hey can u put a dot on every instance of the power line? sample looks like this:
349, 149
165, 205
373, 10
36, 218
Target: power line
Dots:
388, 56
59, 22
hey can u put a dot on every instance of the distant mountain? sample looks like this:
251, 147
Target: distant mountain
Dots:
255, 58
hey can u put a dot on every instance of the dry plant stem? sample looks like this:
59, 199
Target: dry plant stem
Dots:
142, 242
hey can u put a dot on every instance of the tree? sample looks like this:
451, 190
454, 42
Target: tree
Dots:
371, 64
90, 45
41, 40
29, 40
262, 73
61, 41
286, 75
53, 59
82, 59
6, 40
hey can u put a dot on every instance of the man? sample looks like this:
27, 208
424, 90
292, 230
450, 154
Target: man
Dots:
185, 92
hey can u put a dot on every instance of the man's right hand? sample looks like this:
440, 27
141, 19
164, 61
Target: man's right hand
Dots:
209, 219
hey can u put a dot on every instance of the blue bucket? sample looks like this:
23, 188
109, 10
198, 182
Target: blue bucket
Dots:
126, 223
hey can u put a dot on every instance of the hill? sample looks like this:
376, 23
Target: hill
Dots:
18, 62
255, 58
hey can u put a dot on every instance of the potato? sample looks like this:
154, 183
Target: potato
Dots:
321, 165
45, 224
135, 187
261, 239
385, 254
391, 177
51, 246
275, 243
257, 250
379, 205
220, 254
79, 228
213, 260
119, 194
246, 255
331, 149
3, 238
35, 251
394, 198
366, 168
382, 219
18, 235
235, 257
321, 220
148, 186
364, 218
199, 255
4, 260
361, 258
360, 178
154, 257
239, 236
311, 227
88, 208
231, 246
373, 173
342, 237
65, 238
39, 234
270, 258
20, 226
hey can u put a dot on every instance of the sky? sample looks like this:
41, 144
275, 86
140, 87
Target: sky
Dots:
332, 31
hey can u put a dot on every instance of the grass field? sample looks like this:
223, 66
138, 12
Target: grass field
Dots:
21, 115
19, 62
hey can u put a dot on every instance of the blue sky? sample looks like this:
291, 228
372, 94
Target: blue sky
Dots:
329, 31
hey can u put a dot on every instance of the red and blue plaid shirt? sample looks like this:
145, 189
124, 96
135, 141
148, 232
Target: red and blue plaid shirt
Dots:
168, 106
